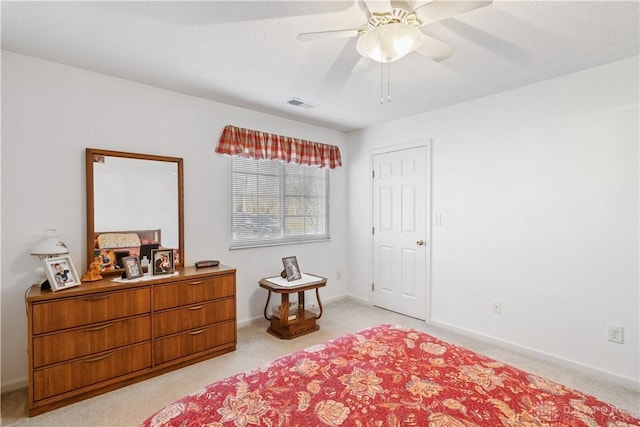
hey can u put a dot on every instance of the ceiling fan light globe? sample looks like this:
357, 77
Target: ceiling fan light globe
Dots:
388, 43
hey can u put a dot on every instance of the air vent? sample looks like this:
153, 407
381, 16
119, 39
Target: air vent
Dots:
295, 102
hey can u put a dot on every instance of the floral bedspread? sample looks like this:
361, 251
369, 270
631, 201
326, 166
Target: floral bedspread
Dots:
388, 376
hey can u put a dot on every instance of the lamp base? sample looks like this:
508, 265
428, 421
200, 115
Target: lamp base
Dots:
45, 285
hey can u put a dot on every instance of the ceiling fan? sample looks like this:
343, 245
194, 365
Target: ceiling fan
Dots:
393, 29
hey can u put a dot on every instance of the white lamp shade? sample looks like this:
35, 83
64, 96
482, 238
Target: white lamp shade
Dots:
390, 42
49, 245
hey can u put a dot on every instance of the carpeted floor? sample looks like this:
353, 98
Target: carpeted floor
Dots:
131, 405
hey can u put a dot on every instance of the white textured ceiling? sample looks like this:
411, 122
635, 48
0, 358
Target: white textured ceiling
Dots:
246, 53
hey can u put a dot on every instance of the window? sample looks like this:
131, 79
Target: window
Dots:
274, 202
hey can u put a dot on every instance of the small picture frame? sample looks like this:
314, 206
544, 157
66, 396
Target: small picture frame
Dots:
61, 272
162, 261
291, 268
132, 268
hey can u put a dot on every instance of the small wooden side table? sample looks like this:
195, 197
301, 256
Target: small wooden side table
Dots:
304, 321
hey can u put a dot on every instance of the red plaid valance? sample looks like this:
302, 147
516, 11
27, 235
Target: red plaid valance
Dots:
254, 144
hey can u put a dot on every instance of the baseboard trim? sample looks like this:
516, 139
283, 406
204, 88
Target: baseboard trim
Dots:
14, 385
625, 382
358, 299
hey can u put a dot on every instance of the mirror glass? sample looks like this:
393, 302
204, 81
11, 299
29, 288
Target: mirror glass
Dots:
134, 205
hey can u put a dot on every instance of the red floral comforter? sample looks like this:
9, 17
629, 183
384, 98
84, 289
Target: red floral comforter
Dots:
388, 376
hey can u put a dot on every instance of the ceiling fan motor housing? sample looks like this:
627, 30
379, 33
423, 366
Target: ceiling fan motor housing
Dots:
397, 15
390, 36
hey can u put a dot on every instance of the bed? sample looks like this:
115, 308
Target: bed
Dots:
388, 376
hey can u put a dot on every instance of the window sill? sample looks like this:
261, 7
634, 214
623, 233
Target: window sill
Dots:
283, 243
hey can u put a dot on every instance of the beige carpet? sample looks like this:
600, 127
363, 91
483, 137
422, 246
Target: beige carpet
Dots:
131, 405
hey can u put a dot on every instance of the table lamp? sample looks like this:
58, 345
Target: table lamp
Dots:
49, 246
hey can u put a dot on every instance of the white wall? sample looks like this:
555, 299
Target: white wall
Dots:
51, 113
538, 188
538, 192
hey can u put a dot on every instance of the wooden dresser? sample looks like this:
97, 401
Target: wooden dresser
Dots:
102, 335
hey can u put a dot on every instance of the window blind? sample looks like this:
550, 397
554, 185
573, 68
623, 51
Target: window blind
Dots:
273, 202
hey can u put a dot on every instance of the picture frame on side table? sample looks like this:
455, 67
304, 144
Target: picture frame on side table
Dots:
132, 268
162, 261
291, 268
61, 272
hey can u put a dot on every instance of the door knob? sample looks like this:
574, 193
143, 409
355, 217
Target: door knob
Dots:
420, 242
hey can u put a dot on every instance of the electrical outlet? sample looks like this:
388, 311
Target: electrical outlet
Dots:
616, 334
496, 307
338, 275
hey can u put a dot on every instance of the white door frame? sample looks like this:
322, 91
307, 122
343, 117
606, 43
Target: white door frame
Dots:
428, 167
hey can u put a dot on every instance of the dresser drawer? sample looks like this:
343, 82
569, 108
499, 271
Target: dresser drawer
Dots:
193, 316
193, 291
61, 346
99, 307
209, 337
65, 377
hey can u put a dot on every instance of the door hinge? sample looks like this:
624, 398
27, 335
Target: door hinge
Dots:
373, 174
373, 230
372, 287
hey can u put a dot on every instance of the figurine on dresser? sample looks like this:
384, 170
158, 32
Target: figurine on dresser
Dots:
93, 273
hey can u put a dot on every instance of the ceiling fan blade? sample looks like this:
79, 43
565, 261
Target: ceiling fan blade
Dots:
324, 35
377, 6
438, 10
341, 70
434, 49
364, 8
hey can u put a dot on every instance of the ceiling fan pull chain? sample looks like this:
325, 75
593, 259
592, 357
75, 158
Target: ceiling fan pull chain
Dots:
388, 82
381, 85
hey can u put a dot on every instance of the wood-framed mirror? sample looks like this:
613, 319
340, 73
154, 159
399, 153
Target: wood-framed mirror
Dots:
135, 203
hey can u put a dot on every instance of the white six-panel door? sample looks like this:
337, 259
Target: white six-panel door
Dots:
400, 201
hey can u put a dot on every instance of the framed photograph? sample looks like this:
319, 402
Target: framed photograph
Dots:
291, 268
132, 268
61, 273
162, 261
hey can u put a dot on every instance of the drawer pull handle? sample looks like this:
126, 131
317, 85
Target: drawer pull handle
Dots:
200, 307
197, 283
197, 332
96, 359
98, 328
96, 297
